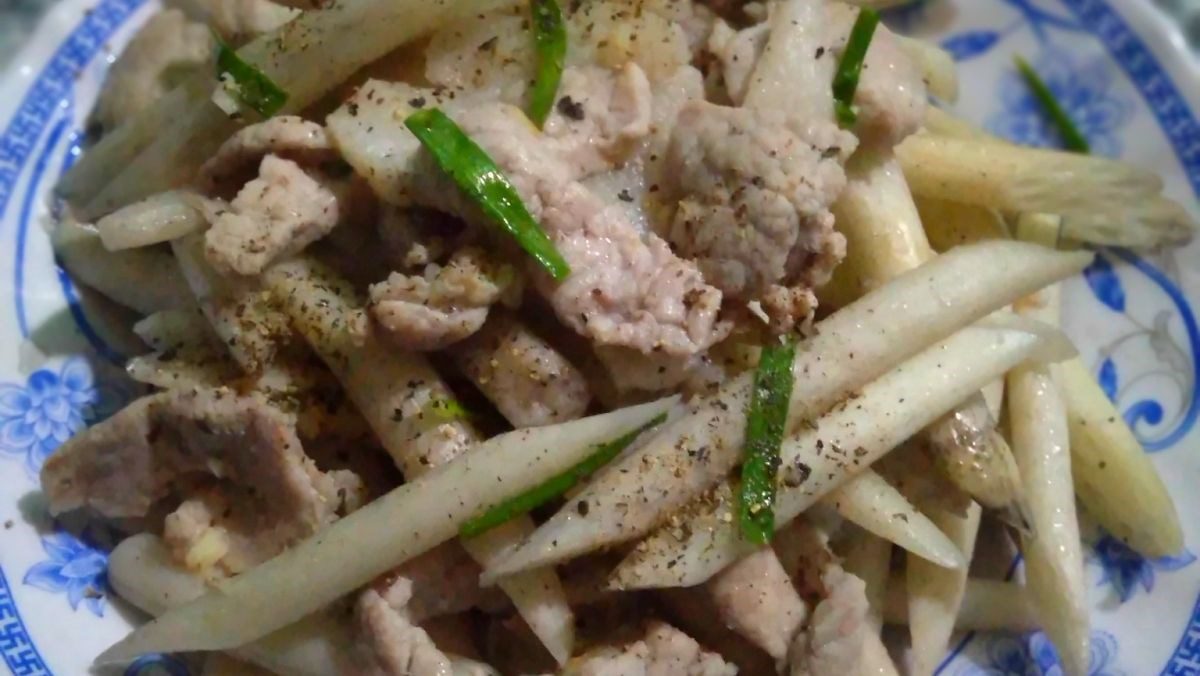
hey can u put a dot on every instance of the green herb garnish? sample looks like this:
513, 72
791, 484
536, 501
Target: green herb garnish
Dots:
550, 45
481, 180
248, 84
554, 486
845, 80
1072, 138
765, 422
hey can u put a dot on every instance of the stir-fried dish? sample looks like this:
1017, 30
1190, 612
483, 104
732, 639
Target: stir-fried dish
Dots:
603, 337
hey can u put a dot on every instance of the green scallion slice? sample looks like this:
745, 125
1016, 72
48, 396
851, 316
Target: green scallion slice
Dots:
1073, 139
481, 180
765, 422
555, 486
248, 84
550, 43
845, 80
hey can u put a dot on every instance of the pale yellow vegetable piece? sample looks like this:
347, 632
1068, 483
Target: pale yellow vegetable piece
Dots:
830, 450
987, 605
935, 593
1053, 553
1114, 477
872, 503
850, 348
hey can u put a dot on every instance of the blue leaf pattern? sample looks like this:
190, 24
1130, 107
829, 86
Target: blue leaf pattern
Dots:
1034, 655
966, 46
75, 567
1125, 570
1102, 279
1107, 377
51, 406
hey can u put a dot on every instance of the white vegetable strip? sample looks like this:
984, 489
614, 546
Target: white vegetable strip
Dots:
787, 77
236, 309
159, 218
869, 557
852, 347
1114, 477
987, 605
1016, 179
142, 572
144, 281
950, 224
396, 392
877, 216
835, 447
334, 41
1053, 554
404, 523
935, 593
120, 146
872, 503
937, 67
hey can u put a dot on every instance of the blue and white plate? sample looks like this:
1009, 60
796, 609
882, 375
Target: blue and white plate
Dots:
1123, 70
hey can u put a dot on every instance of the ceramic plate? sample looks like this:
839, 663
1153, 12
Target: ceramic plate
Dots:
1123, 71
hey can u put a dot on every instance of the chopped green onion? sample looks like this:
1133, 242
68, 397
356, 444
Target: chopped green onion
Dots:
477, 175
765, 422
447, 410
550, 41
1072, 138
845, 80
250, 85
554, 486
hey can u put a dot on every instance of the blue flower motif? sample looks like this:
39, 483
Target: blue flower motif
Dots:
156, 664
75, 567
1083, 91
1106, 286
1125, 569
1034, 655
35, 418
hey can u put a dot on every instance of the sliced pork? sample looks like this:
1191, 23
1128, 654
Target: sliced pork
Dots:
199, 440
754, 190
443, 305
286, 136
664, 651
276, 215
528, 381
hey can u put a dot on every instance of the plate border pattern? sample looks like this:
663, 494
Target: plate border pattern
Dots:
55, 82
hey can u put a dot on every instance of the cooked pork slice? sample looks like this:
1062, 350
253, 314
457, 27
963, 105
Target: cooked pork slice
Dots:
528, 381
665, 651
275, 215
285, 136
442, 581
755, 598
737, 51
600, 117
393, 645
166, 49
237, 21
624, 289
754, 192
835, 640
269, 493
443, 305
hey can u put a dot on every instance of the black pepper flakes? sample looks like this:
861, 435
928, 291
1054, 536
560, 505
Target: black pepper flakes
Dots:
570, 108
